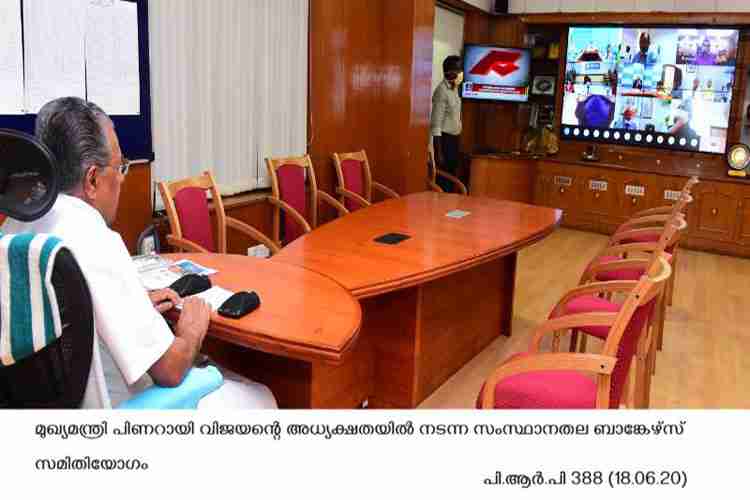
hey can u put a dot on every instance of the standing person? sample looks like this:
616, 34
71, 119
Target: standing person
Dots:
445, 121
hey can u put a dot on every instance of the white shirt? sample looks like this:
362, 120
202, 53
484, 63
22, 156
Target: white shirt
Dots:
446, 111
125, 320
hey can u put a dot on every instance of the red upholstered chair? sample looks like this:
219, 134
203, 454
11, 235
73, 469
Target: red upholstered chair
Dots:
355, 180
649, 227
566, 380
627, 262
190, 221
433, 172
295, 193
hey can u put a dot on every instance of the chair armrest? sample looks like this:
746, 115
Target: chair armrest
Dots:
434, 187
455, 180
586, 362
184, 244
663, 210
646, 220
333, 202
253, 233
290, 210
595, 288
593, 270
353, 197
385, 190
568, 322
198, 383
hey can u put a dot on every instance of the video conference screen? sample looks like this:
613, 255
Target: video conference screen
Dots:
660, 87
496, 73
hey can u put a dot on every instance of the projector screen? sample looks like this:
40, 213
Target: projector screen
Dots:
657, 87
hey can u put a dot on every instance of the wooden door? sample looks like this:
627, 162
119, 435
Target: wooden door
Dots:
743, 216
599, 197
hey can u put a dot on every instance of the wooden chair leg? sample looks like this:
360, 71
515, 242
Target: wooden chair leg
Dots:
574, 340
662, 312
584, 339
670, 283
642, 371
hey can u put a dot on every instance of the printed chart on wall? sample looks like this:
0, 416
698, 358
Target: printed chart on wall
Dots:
93, 54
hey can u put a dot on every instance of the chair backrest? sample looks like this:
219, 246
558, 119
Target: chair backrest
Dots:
186, 200
629, 326
293, 182
56, 376
354, 174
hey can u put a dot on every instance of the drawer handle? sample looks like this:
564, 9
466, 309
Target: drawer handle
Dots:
562, 190
597, 195
714, 211
635, 202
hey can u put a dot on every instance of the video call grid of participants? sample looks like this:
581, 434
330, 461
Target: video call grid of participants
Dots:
657, 80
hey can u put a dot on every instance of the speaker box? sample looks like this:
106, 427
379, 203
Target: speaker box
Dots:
501, 7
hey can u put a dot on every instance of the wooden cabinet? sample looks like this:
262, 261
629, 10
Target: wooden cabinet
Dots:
599, 197
561, 190
742, 235
637, 192
503, 179
714, 211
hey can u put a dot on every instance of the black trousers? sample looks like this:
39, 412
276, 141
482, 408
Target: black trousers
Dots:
450, 149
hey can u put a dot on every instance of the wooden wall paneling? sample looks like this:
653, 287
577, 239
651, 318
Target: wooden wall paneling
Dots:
477, 31
258, 213
346, 58
134, 212
407, 93
502, 124
737, 111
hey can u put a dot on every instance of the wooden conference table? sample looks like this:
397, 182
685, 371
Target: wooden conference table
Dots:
306, 324
431, 302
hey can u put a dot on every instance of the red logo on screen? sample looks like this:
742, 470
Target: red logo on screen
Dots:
501, 62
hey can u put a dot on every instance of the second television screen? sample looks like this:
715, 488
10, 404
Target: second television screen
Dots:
665, 87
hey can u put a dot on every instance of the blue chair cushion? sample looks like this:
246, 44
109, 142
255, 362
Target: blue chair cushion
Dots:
198, 383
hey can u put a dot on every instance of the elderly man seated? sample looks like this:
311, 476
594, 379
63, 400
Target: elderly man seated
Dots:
127, 319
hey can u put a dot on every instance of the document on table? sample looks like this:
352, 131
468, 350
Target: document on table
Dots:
214, 296
154, 271
11, 58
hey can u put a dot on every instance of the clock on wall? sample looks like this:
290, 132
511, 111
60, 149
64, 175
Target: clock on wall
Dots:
738, 158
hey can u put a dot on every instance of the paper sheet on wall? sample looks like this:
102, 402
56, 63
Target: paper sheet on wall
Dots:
53, 50
112, 73
11, 58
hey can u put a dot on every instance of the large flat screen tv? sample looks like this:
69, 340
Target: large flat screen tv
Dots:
496, 73
645, 86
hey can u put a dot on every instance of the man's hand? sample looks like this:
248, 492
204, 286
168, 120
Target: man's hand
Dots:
164, 299
193, 323
189, 332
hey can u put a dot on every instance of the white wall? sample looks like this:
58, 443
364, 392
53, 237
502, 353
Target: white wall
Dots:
448, 39
483, 4
536, 6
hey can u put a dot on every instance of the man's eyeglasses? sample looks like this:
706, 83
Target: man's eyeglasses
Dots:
124, 166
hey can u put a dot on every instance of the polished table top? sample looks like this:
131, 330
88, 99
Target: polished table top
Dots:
303, 315
439, 245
